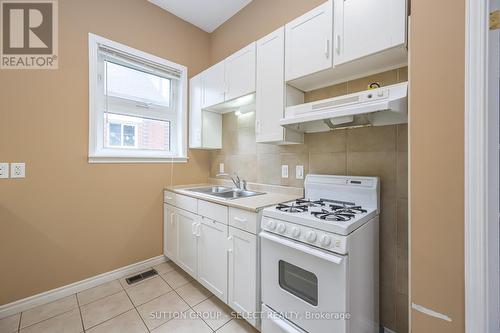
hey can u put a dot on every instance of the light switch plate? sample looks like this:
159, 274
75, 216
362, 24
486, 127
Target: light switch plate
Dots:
284, 171
17, 170
299, 172
4, 170
221, 167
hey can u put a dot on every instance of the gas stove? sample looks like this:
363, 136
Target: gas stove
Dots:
337, 204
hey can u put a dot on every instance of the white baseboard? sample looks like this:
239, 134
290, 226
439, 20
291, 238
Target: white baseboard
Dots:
55, 294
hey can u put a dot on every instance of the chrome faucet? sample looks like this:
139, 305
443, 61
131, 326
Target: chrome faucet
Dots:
239, 183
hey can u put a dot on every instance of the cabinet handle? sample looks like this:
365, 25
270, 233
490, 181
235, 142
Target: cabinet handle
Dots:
168, 198
230, 239
193, 228
327, 48
171, 218
338, 45
239, 219
198, 228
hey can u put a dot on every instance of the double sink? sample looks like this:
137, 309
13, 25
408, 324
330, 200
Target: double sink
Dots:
223, 192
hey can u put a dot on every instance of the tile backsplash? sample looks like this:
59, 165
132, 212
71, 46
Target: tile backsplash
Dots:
370, 151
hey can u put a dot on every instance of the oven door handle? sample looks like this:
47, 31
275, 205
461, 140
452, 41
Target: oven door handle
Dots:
303, 248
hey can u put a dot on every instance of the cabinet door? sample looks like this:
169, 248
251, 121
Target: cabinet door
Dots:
212, 257
308, 42
364, 27
270, 102
169, 232
243, 296
213, 85
187, 224
195, 112
240, 73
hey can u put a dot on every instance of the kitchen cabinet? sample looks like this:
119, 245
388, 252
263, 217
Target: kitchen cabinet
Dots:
205, 127
217, 246
270, 88
212, 257
187, 230
169, 232
308, 42
213, 85
365, 27
243, 263
240, 73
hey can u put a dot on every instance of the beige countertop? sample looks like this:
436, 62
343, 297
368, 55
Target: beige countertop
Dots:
273, 194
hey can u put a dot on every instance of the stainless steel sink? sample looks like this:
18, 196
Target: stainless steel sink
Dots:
224, 192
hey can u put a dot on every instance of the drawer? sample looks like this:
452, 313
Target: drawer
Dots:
181, 201
212, 211
243, 220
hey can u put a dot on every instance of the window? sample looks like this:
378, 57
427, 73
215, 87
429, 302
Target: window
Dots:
137, 105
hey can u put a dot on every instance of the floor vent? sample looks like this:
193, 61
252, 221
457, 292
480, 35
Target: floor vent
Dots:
141, 276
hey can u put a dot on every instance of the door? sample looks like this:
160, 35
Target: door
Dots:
169, 232
243, 272
213, 85
212, 257
364, 27
240, 73
308, 47
270, 87
187, 224
195, 112
300, 279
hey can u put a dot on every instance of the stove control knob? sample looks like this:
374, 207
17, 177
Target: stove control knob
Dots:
326, 240
295, 232
311, 236
281, 228
271, 224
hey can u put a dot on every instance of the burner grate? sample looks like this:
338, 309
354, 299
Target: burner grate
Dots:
293, 208
332, 216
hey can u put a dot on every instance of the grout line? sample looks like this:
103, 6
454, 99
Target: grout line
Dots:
137, 311
100, 298
80, 310
41, 321
19, 324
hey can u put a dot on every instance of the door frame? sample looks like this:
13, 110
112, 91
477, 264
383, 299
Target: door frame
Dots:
479, 306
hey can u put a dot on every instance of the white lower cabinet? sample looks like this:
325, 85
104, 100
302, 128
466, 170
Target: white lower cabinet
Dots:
242, 273
187, 225
212, 257
169, 232
218, 251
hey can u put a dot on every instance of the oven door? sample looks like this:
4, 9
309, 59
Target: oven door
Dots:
306, 285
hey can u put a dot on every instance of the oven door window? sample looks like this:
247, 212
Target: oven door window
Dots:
298, 282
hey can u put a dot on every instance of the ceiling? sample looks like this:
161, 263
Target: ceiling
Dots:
205, 14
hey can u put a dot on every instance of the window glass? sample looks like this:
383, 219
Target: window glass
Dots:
298, 282
115, 134
127, 83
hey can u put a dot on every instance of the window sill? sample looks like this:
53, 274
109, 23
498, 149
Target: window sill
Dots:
136, 160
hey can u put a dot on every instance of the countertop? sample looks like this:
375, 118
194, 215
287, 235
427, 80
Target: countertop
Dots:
273, 194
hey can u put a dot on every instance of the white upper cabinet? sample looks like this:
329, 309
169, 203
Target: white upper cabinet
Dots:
270, 102
240, 73
213, 85
308, 42
365, 27
204, 126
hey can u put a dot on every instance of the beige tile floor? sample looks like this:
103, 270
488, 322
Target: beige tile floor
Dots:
169, 302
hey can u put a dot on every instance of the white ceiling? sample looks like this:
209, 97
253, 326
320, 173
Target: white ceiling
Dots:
205, 14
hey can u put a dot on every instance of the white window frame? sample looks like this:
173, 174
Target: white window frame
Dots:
97, 151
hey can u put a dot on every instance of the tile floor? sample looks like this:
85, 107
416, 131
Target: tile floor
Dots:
169, 302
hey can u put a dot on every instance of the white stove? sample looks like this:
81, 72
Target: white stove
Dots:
319, 255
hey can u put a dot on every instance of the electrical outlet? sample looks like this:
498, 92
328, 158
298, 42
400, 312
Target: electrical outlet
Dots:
17, 170
221, 167
4, 170
284, 171
299, 172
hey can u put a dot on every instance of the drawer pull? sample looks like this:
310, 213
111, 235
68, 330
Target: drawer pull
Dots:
168, 198
239, 219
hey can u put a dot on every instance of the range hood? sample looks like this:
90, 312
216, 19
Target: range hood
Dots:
376, 107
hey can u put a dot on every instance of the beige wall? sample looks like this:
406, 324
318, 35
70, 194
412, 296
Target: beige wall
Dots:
69, 220
376, 151
437, 163
256, 20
